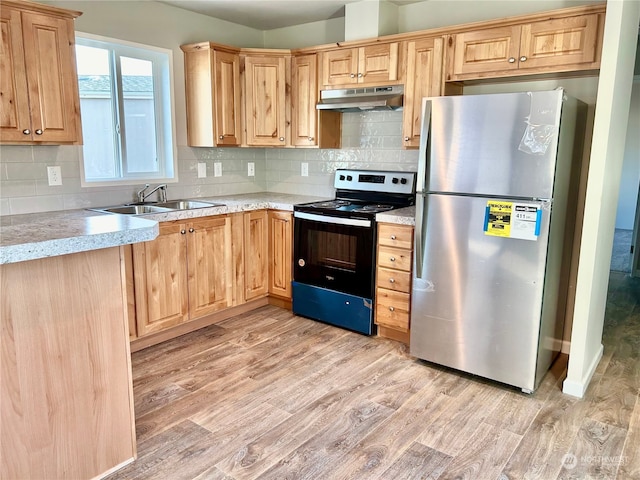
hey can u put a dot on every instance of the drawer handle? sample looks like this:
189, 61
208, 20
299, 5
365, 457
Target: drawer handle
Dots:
392, 309
392, 280
393, 259
393, 237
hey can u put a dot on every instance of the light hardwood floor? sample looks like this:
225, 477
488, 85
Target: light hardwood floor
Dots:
273, 396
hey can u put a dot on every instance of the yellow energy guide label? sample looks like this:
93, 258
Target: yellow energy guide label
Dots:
513, 219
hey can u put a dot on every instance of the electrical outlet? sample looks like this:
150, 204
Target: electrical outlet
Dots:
202, 170
217, 169
55, 175
304, 169
251, 169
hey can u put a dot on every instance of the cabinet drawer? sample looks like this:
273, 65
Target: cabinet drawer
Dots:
395, 236
393, 280
397, 258
392, 309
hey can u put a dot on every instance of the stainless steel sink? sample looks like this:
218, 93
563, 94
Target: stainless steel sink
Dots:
187, 204
134, 209
145, 208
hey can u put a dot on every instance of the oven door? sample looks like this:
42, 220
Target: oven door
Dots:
335, 253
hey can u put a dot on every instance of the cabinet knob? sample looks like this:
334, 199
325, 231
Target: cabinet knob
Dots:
406, 139
191, 230
311, 139
393, 259
26, 131
392, 280
282, 139
38, 132
353, 75
512, 60
183, 232
391, 309
523, 58
221, 137
393, 237
360, 75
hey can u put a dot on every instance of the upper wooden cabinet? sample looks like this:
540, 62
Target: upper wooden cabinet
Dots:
212, 91
309, 126
368, 65
422, 66
555, 45
39, 101
266, 100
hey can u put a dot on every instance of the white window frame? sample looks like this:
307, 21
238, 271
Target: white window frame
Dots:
165, 122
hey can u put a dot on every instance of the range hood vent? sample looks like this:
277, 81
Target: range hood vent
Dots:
359, 99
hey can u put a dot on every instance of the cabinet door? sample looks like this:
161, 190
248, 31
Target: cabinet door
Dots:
480, 53
209, 265
340, 67
51, 74
378, 64
256, 244
14, 101
280, 253
265, 86
160, 277
423, 79
304, 96
560, 43
227, 98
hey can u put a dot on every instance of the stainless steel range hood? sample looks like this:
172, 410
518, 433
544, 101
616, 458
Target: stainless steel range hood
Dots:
359, 99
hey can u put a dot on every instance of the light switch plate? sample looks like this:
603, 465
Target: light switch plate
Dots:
54, 175
217, 169
251, 169
202, 170
304, 169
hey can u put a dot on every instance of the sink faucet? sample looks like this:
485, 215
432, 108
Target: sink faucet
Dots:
161, 189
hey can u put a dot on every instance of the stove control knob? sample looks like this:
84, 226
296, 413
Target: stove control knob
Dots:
403, 181
395, 180
342, 177
349, 178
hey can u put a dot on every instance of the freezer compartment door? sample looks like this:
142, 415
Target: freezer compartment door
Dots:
477, 297
499, 144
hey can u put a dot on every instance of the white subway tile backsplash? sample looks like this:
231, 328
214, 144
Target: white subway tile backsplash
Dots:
16, 154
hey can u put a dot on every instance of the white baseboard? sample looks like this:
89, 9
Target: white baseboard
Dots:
576, 388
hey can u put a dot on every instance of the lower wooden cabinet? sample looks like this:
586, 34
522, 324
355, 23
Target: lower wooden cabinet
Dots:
280, 253
256, 256
393, 281
185, 273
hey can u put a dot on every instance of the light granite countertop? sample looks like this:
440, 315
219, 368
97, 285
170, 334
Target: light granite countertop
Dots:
40, 235
401, 216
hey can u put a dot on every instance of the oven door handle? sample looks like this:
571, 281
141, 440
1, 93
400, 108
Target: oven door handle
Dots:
355, 222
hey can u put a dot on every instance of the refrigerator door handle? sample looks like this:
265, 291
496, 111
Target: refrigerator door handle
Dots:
419, 235
424, 141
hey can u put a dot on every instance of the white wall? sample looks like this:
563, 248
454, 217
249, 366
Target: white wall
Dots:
630, 179
306, 35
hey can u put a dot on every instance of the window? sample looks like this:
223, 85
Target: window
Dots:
125, 104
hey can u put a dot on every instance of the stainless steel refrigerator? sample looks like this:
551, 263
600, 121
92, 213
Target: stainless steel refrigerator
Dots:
495, 210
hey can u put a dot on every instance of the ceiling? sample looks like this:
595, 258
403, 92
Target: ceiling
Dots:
270, 14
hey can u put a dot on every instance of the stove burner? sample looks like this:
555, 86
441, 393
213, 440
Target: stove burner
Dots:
375, 207
331, 204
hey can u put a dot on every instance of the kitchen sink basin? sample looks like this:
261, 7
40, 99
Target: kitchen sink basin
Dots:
187, 204
145, 208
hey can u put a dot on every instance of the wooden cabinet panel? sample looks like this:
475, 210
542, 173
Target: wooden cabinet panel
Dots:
304, 96
161, 279
373, 64
210, 267
399, 236
423, 78
392, 309
38, 77
481, 51
559, 42
265, 87
398, 258
212, 93
256, 256
393, 279
281, 254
